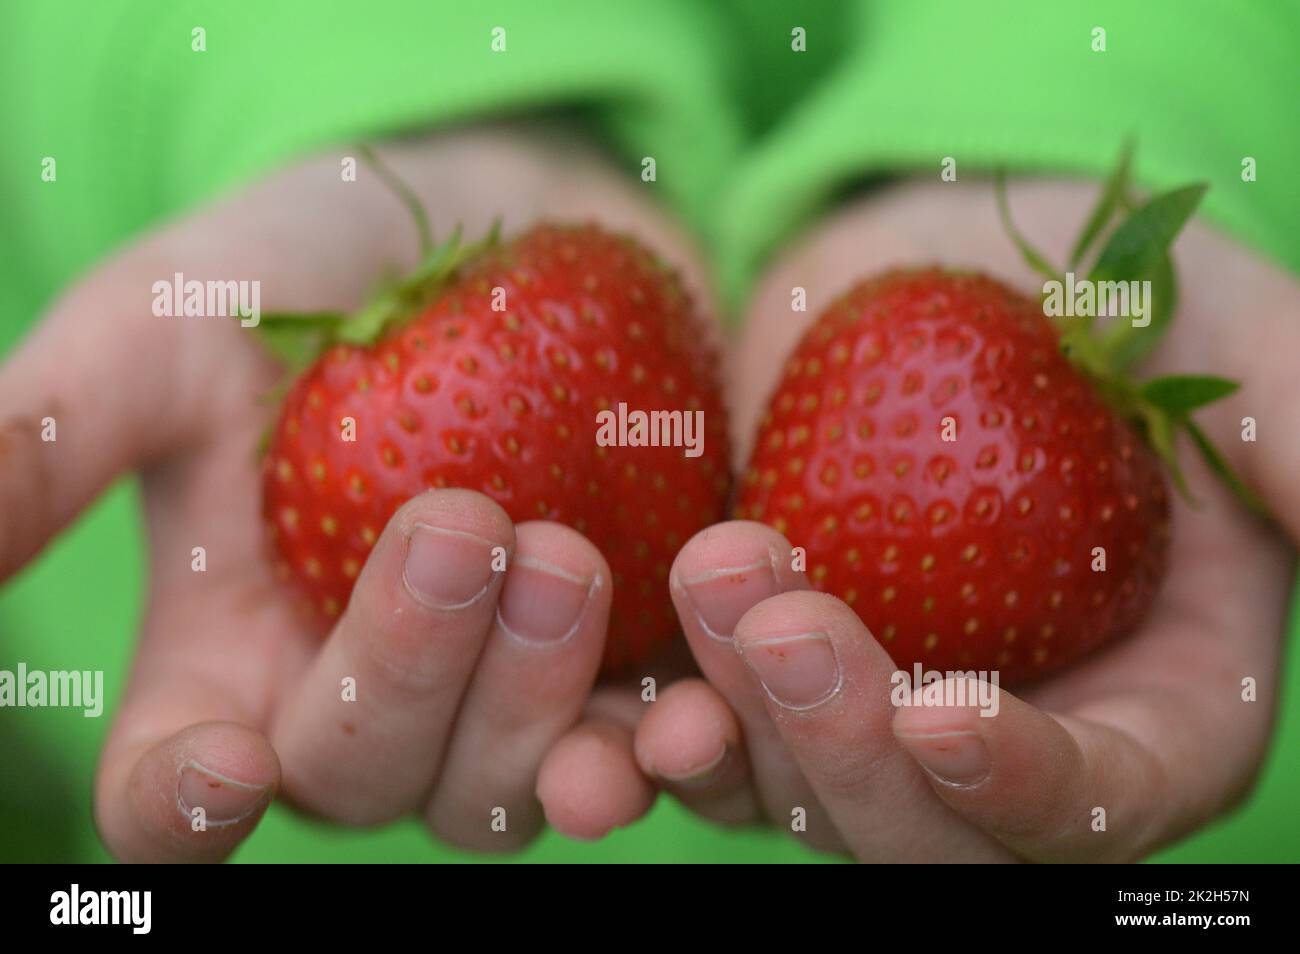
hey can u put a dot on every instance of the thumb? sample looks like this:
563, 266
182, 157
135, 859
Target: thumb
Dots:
90, 394
1049, 788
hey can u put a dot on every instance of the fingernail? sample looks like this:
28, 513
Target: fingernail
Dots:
542, 604
701, 776
959, 757
224, 800
798, 672
719, 598
447, 569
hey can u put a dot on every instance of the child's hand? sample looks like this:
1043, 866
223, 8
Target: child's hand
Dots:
1154, 730
461, 686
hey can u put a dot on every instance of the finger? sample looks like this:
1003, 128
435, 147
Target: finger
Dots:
530, 685
217, 650
77, 410
1050, 789
1191, 697
719, 575
690, 742
192, 796
827, 686
589, 783
364, 733
188, 734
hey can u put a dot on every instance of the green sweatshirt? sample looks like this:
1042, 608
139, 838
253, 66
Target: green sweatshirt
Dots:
759, 113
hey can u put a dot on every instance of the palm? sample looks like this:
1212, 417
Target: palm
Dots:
1217, 621
1171, 699
234, 623
228, 676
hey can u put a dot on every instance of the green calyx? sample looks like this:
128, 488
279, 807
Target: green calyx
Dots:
1134, 264
298, 339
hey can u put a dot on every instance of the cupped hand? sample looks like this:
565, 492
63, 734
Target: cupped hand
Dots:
444, 684
1141, 743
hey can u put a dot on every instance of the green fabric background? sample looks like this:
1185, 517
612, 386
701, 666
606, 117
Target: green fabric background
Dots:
751, 140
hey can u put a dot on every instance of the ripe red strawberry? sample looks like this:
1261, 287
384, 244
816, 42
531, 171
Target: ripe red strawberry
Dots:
958, 466
968, 553
457, 394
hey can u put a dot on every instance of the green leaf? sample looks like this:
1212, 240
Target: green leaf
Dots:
1138, 250
1030, 254
307, 320
296, 340
1219, 464
1178, 394
1160, 428
437, 265
1111, 199
1136, 246
1125, 345
369, 323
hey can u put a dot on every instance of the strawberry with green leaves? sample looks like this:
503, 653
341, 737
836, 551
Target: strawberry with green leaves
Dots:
486, 370
986, 487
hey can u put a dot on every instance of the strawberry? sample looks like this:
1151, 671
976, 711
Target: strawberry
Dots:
957, 467
447, 391
973, 552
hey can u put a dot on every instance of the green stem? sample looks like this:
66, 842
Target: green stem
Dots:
1033, 258
403, 193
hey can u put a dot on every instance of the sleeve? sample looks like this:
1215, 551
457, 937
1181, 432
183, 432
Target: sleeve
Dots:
142, 122
1202, 85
